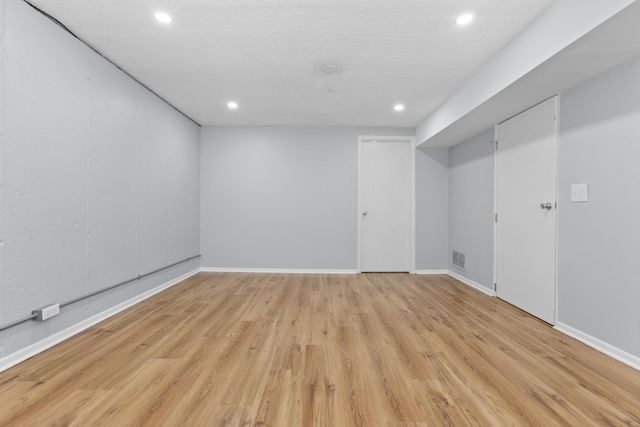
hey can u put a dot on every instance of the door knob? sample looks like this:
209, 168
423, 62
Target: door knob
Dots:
546, 206
365, 213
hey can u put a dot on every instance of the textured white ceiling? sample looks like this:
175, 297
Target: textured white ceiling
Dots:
267, 54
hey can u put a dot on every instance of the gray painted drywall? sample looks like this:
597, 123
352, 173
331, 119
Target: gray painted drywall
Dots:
2, 167
432, 208
471, 169
100, 180
281, 198
599, 241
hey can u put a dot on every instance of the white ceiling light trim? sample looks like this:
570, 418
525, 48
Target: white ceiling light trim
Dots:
232, 105
398, 107
163, 17
464, 19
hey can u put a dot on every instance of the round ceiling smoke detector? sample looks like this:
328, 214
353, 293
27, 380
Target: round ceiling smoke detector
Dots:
329, 69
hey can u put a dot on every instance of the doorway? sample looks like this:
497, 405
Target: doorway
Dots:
526, 195
386, 176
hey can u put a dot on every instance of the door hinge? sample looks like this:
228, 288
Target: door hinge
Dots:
495, 141
496, 219
495, 287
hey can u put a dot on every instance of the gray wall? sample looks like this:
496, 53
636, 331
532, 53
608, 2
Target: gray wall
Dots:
471, 169
432, 210
100, 180
599, 241
281, 198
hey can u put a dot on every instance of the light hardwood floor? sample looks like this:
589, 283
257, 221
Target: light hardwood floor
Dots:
320, 350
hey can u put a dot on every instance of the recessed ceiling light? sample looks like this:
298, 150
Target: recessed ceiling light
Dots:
398, 107
329, 69
232, 105
163, 17
464, 19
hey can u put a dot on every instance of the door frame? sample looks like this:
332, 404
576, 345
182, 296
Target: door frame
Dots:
496, 137
410, 140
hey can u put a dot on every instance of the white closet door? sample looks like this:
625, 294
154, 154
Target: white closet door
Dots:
385, 196
526, 208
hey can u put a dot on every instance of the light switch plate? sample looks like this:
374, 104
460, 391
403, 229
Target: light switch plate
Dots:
579, 193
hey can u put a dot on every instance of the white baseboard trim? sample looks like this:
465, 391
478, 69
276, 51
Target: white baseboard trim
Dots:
46, 343
273, 270
473, 284
432, 271
601, 346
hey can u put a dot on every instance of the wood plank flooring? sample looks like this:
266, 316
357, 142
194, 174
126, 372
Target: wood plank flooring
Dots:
392, 350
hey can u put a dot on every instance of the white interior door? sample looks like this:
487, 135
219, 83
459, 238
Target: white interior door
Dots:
385, 177
526, 210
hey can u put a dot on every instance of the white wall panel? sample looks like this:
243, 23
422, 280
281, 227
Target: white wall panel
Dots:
85, 155
283, 198
45, 115
111, 168
179, 181
152, 196
599, 241
471, 208
2, 167
432, 208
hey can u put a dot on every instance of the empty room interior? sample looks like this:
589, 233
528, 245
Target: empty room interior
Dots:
329, 213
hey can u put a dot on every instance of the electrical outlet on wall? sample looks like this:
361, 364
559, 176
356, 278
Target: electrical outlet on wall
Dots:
47, 312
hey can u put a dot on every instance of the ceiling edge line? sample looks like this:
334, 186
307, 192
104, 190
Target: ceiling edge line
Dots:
65, 28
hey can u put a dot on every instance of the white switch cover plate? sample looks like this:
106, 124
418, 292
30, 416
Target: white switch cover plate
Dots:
579, 193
